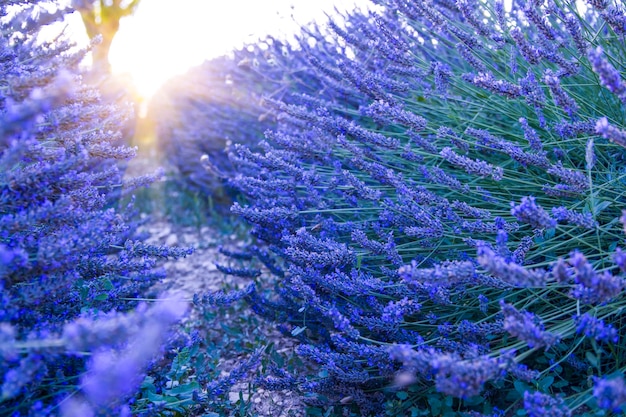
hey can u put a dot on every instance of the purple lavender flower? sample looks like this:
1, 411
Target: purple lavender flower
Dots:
599, 4
531, 136
446, 132
519, 254
464, 378
560, 271
509, 271
489, 142
610, 132
593, 287
273, 216
395, 311
487, 81
616, 18
619, 258
222, 298
376, 85
114, 375
534, 15
15, 380
470, 211
610, 393
306, 249
443, 74
471, 58
532, 92
483, 303
572, 25
137, 248
595, 328
363, 191
244, 367
388, 249
528, 51
468, 10
384, 112
528, 211
444, 274
538, 404
527, 327
453, 374
570, 129
559, 95
577, 363
563, 214
476, 167
609, 76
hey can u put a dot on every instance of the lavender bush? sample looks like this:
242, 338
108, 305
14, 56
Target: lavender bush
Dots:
201, 115
445, 214
73, 339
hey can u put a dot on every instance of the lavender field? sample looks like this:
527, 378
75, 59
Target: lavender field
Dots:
415, 209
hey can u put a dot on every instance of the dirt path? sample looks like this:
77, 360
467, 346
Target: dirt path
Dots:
198, 274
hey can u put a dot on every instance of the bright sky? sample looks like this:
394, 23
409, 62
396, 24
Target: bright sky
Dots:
162, 40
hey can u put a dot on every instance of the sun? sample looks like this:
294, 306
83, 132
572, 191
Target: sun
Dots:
158, 42
165, 38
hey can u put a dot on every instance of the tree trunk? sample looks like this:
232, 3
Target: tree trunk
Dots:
100, 54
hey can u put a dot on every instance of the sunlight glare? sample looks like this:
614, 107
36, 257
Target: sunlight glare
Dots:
162, 40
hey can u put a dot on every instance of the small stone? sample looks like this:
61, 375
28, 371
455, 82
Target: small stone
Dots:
171, 240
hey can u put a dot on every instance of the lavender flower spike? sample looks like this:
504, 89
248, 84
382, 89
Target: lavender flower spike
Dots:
595, 328
527, 327
510, 272
610, 132
538, 404
584, 220
609, 76
560, 96
112, 375
528, 211
477, 167
610, 393
593, 287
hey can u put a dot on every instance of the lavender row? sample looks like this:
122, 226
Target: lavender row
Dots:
444, 207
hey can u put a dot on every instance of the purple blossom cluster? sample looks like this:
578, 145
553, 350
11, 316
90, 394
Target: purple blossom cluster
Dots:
508, 270
114, 375
527, 327
610, 393
583, 220
528, 211
609, 76
595, 328
538, 404
480, 168
593, 287
610, 132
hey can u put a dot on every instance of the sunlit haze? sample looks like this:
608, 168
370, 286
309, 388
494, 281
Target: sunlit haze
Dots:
165, 38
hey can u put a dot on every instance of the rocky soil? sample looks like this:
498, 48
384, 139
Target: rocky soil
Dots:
198, 274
